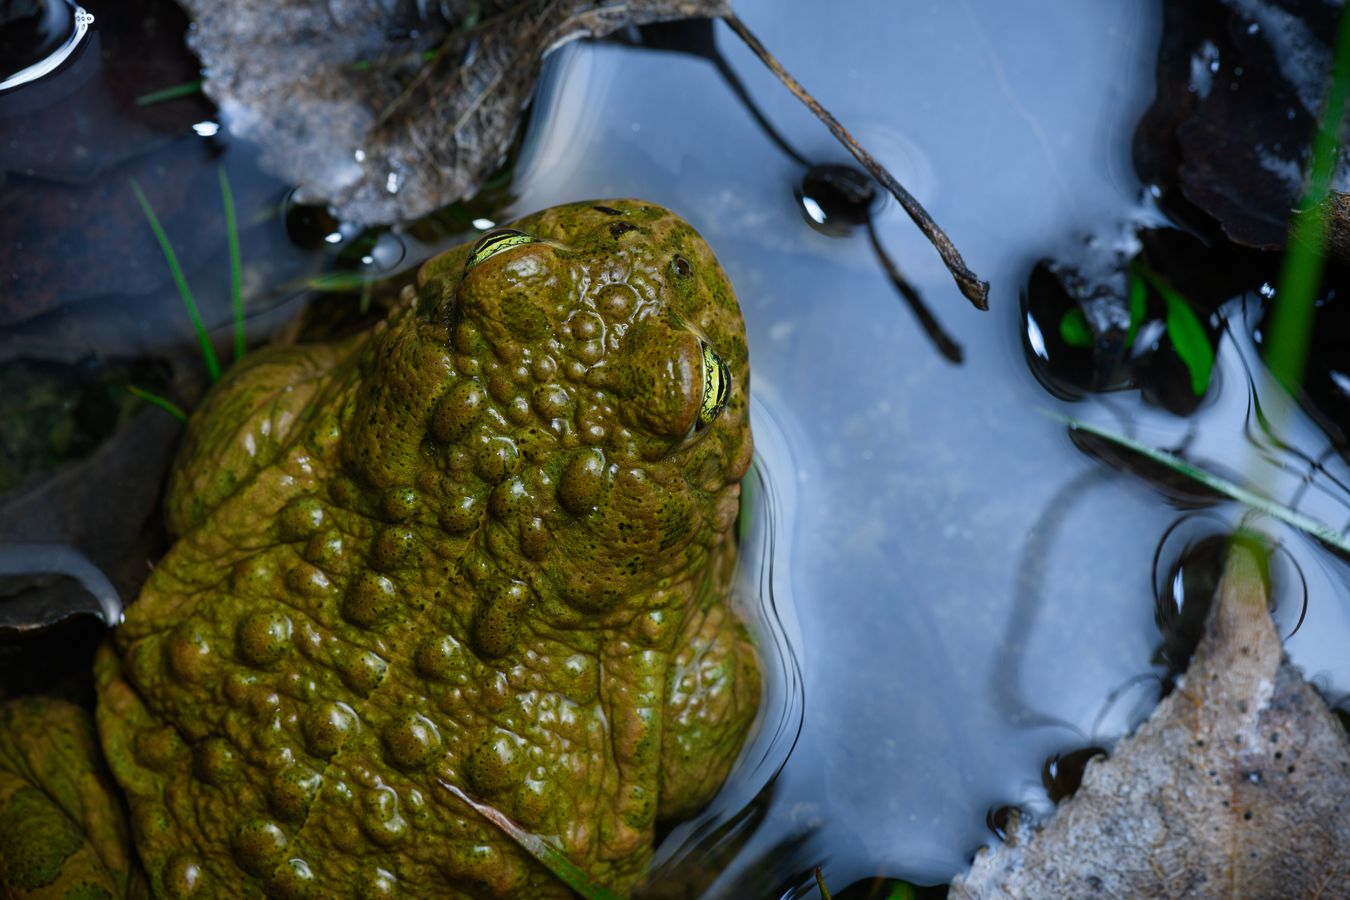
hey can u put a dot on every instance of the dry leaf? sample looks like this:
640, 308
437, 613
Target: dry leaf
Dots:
1238, 785
382, 112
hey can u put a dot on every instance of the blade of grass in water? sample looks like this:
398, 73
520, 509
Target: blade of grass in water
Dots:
153, 399
339, 282
1319, 530
820, 885
236, 266
186, 89
1305, 254
550, 857
208, 352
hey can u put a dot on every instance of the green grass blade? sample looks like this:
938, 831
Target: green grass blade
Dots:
1319, 530
154, 399
208, 352
186, 89
236, 265
820, 885
553, 859
338, 282
364, 305
1305, 256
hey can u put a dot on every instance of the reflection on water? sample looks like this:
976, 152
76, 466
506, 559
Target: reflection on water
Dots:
950, 590
36, 38
696, 851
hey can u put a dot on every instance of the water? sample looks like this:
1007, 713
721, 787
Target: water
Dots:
950, 591
968, 587
44, 39
972, 594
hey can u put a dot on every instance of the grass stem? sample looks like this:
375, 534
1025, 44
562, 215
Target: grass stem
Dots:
163, 403
1305, 255
208, 352
236, 265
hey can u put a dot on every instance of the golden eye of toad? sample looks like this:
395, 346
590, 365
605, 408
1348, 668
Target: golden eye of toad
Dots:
716, 387
494, 242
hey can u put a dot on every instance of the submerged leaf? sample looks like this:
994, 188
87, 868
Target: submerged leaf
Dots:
1238, 785
389, 111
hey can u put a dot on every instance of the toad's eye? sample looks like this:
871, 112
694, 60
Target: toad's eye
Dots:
494, 242
716, 387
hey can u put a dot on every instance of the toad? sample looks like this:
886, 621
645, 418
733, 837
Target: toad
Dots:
477, 558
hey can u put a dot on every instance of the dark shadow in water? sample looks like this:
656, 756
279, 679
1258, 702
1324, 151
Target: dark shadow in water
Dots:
1005, 680
706, 852
777, 871
697, 38
834, 197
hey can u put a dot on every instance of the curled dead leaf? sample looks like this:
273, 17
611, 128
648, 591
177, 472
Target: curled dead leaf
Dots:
1238, 785
387, 111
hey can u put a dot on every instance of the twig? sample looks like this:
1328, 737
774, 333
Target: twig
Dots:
976, 290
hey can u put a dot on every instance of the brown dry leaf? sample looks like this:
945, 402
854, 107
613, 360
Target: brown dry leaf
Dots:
1238, 785
386, 111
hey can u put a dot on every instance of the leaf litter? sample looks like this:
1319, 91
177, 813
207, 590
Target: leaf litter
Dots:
387, 113
1238, 785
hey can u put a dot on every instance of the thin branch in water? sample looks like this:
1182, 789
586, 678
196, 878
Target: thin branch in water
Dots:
944, 342
976, 291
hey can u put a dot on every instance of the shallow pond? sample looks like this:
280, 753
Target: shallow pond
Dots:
952, 590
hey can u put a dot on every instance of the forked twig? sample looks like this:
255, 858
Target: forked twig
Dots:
969, 283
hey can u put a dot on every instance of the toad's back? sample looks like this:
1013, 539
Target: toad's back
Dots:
481, 553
